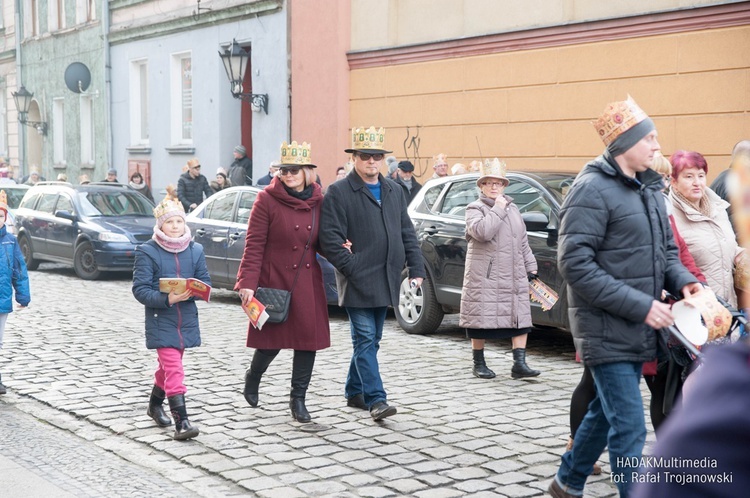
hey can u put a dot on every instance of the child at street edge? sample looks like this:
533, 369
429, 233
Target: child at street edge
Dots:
171, 319
13, 274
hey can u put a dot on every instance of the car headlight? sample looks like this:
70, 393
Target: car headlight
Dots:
113, 237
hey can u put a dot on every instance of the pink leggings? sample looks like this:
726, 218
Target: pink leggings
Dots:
169, 375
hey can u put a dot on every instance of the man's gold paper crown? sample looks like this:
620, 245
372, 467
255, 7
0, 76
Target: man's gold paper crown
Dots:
440, 159
168, 205
295, 153
3, 201
618, 118
369, 138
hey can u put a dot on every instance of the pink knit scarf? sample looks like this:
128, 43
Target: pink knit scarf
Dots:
172, 244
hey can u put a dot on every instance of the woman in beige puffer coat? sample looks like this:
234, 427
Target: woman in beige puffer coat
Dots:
499, 262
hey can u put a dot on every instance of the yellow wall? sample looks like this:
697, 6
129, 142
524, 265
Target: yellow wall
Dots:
533, 107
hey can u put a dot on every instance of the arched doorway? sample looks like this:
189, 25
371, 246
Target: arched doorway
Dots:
34, 141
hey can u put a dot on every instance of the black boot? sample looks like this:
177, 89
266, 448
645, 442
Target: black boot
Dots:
155, 408
2, 387
183, 428
480, 367
520, 368
259, 365
302, 368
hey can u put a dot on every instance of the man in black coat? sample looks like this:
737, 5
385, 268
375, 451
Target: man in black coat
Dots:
616, 253
192, 186
241, 169
368, 237
406, 179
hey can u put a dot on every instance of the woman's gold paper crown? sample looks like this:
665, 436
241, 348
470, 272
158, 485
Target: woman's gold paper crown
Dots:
3, 200
618, 118
440, 159
369, 138
295, 153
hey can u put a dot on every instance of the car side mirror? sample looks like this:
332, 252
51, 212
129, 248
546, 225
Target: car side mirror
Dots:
535, 221
66, 215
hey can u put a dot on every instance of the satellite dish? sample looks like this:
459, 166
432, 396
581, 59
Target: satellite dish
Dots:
77, 77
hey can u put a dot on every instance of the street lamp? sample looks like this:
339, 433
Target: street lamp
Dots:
23, 99
234, 59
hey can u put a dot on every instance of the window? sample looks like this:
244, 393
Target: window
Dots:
221, 209
85, 11
31, 21
87, 131
139, 102
47, 203
247, 199
459, 195
64, 203
3, 124
56, 15
528, 198
58, 131
182, 99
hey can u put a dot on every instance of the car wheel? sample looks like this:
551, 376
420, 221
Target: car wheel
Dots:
85, 263
418, 311
26, 252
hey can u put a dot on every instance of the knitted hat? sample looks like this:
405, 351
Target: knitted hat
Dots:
222, 172
240, 149
168, 208
112, 171
622, 125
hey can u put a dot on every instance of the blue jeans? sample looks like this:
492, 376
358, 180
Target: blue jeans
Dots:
364, 374
615, 419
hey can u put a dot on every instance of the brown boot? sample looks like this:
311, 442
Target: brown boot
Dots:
597, 468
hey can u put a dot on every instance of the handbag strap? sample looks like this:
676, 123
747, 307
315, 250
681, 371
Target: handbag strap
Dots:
307, 245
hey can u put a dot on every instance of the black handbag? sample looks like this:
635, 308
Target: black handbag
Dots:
278, 301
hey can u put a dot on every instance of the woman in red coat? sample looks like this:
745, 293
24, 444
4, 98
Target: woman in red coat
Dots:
284, 218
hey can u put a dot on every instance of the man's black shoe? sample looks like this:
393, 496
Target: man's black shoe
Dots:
381, 410
357, 401
557, 492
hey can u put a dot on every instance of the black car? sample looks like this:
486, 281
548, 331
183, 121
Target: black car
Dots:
94, 227
438, 213
219, 224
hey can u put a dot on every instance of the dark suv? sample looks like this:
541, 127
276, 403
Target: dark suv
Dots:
438, 212
93, 227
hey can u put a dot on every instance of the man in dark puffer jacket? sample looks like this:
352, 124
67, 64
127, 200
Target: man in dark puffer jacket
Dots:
616, 254
192, 186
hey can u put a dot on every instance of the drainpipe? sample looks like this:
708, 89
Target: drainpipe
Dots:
107, 83
21, 129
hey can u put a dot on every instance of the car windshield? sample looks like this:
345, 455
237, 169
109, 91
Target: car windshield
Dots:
14, 196
114, 203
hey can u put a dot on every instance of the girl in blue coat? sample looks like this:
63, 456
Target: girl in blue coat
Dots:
13, 274
171, 319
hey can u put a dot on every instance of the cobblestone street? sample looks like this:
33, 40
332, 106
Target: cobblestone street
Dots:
76, 359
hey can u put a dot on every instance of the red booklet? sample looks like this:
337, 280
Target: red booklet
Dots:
199, 288
256, 312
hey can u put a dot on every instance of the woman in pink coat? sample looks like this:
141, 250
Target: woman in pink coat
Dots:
499, 263
285, 216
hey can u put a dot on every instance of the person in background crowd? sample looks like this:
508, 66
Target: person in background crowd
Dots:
33, 178
406, 179
278, 255
136, 182
458, 169
84, 180
171, 319
13, 275
273, 169
612, 215
499, 265
475, 166
701, 218
440, 165
392, 164
246, 167
719, 185
367, 235
111, 176
340, 173
192, 186
221, 182
62, 177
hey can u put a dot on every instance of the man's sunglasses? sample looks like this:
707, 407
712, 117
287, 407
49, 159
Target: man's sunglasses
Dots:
196, 167
289, 171
366, 157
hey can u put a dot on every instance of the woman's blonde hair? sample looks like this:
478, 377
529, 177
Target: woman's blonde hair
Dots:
310, 175
661, 164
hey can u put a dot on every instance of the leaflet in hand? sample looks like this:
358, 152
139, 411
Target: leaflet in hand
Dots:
199, 288
542, 294
256, 312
